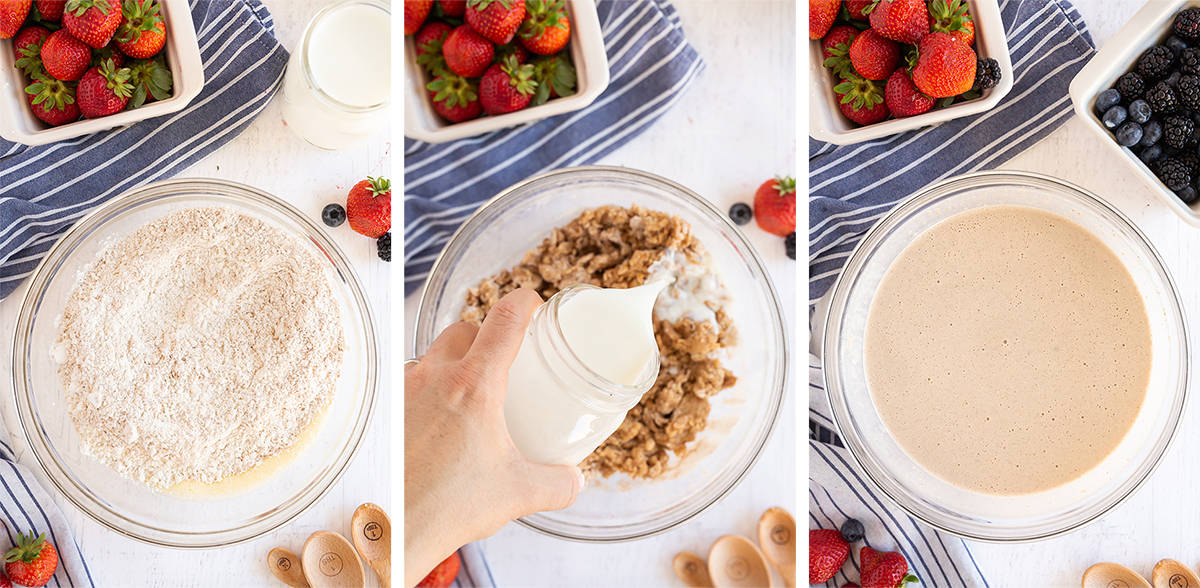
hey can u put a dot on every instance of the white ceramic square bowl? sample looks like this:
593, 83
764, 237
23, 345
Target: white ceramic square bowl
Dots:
591, 67
18, 124
825, 120
1150, 26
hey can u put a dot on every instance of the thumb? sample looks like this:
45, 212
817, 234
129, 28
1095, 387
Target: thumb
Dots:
548, 487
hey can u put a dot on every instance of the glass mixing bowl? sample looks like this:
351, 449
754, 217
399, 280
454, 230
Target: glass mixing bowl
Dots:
236, 512
619, 508
929, 498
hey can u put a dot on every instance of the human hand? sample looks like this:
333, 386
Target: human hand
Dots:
463, 477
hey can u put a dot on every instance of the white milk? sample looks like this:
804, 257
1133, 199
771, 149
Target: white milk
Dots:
588, 357
336, 91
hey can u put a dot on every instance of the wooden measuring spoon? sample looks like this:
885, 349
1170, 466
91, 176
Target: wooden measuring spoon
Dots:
372, 532
777, 538
286, 566
1169, 573
329, 561
692, 570
734, 562
1111, 575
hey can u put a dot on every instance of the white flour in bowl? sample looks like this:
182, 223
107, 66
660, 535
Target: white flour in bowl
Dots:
198, 346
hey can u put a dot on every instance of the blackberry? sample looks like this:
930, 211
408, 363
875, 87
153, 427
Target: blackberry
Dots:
1187, 24
1150, 154
1175, 44
1107, 99
852, 531
1114, 116
1191, 160
1131, 86
1151, 133
1162, 98
1187, 195
384, 244
1129, 134
333, 215
987, 74
740, 213
1177, 131
1139, 111
1174, 173
1189, 61
789, 245
1188, 92
1156, 62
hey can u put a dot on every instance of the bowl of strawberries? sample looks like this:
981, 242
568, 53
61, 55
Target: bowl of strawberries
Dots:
881, 67
474, 66
73, 67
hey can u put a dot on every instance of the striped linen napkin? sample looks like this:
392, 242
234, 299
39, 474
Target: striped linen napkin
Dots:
45, 189
474, 572
650, 63
852, 186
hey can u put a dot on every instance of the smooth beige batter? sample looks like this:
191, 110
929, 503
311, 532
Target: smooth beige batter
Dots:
1008, 350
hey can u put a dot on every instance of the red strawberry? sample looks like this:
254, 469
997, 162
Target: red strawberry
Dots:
903, 98
514, 49
546, 29
12, 16
453, 8
821, 14
52, 101
27, 49
873, 56
775, 206
50, 10
835, 49
945, 66
415, 12
151, 81
143, 32
32, 562
110, 52
827, 553
369, 207
429, 41
64, 56
859, 9
467, 54
905, 21
496, 20
104, 90
454, 97
443, 575
861, 100
5, 582
883, 570
951, 16
507, 87
92, 21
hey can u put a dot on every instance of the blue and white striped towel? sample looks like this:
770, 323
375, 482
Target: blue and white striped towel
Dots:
650, 63
852, 186
475, 572
45, 189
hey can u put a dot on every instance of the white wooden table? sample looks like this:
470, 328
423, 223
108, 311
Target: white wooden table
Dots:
271, 157
733, 130
1158, 521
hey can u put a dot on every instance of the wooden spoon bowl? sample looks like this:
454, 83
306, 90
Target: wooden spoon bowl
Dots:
372, 532
692, 570
1111, 575
329, 561
777, 537
1169, 573
286, 566
734, 562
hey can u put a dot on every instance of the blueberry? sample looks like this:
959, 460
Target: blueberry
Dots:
1175, 44
741, 213
1151, 133
1129, 134
1114, 116
1107, 99
789, 245
1187, 195
1139, 111
333, 215
1150, 154
1173, 79
852, 530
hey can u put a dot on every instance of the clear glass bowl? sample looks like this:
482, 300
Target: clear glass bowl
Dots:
619, 508
956, 510
238, 512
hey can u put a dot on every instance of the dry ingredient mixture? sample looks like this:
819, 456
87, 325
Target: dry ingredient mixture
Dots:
198, 346
615, 247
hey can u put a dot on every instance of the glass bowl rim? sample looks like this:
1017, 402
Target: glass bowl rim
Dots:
839, 292
741, 244
86, 503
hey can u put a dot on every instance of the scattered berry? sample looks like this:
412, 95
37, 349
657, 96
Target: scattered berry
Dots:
827, 553
987, 74
1177, 131
883, 570
789, 245
1114, 116
369, 207
443, 575
333, 215
1140, 112
1155, 63
32, 562
1187, 24
853, 531
384, 247
741, 213
775, 206
1131, 85
1129, 134
1107, 99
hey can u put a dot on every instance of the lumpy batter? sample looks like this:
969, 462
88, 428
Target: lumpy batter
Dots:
1008, 350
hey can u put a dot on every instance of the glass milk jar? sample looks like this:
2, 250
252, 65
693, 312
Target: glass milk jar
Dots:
588, 356
337, 87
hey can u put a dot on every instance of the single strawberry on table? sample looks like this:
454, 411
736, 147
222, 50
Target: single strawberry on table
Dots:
65, 57
52, 101
467, 54
50, 10
369, 207
443, 575
905, 21
775, 206
12, 16
32, 562
861, 100
496, 20
507, 87
546, 28
827, 553
821, 14
873, 56
92, 21
883, 569
27, 49
103, 90
151, 80
143, 32
454, 97
903, 98
945, 65
415, 12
